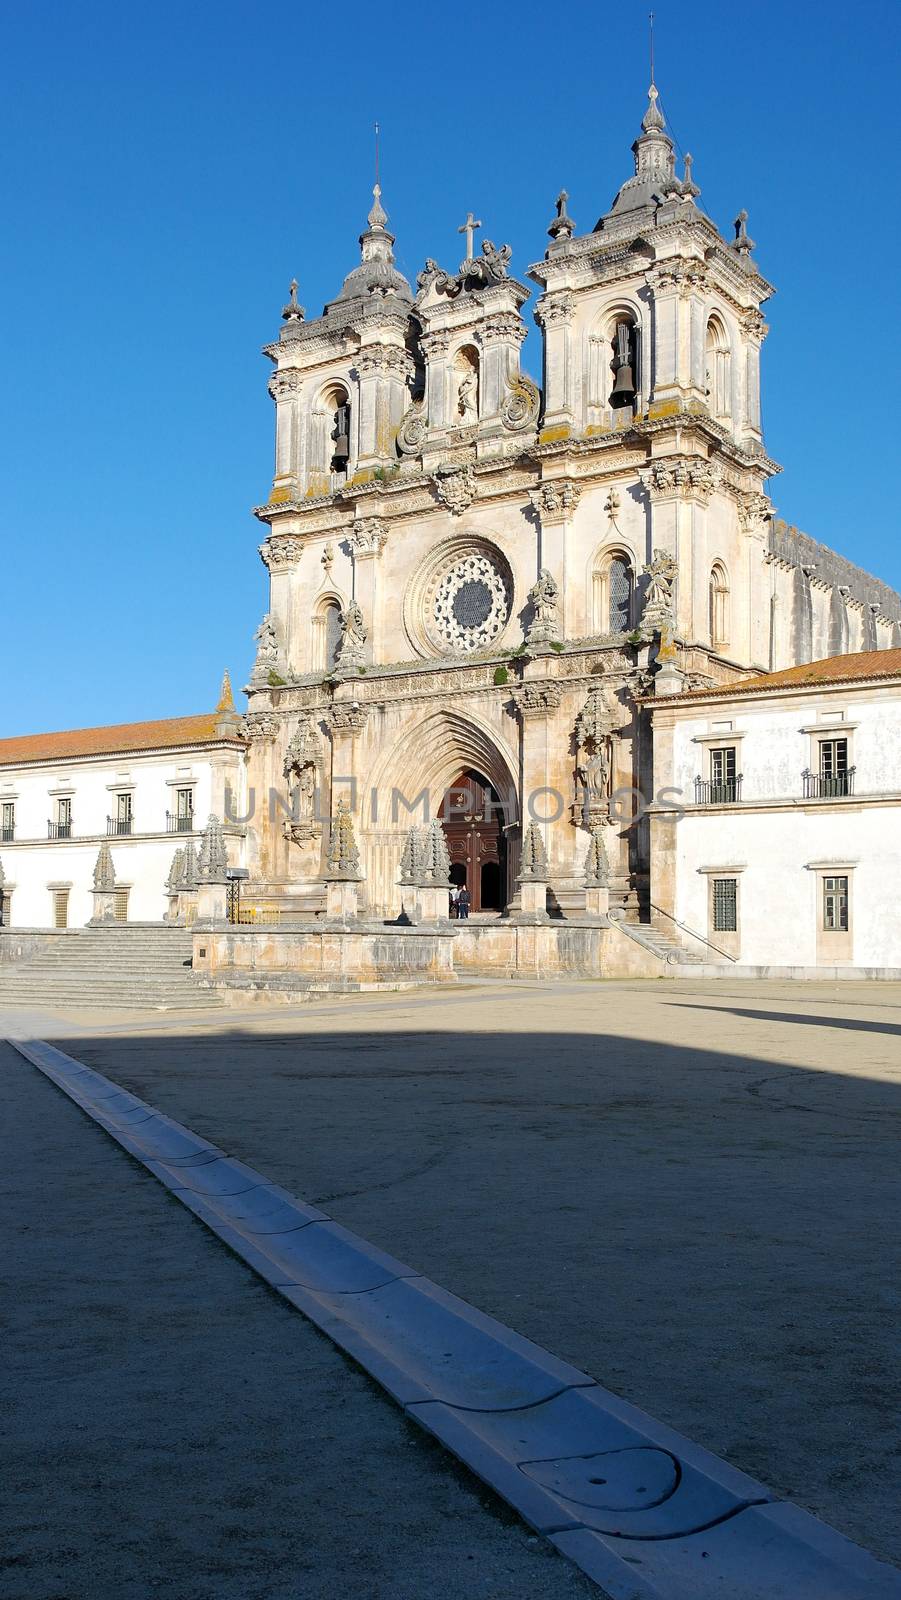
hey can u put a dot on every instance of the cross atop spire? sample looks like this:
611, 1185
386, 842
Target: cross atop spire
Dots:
469, 228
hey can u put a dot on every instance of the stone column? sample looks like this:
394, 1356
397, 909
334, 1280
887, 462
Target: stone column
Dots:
555, 503
346, 720
367, 541
382, 370
678, 287
538, 702
434, 347
554, 314
268, 852
283, 387
501, 336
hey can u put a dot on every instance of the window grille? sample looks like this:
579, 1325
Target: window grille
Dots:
725, 905
7, 822
620, 580
6, 910
835, 904
60, 908
120, 905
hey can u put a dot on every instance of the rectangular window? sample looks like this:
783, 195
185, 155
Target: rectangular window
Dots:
722, 764
834, 767
6, 910
8, 821
835, 904
60, 908
63, 826
123, 807
120, 905
184, 810
725, 905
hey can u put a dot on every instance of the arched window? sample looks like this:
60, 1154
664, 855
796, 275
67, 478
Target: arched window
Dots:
465, 396
337, 407
718, 357
326, 634
624, 363
719, 605
614, 593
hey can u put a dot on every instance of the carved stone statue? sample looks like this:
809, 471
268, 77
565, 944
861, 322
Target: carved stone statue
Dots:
658, 605
467, 397
352, 644
302, 769
268, 656
594, 760
544, 598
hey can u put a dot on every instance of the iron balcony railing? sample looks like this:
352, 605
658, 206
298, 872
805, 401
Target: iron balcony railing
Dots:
7, 835
717, 792
59, 830
119, 827
179, 824
820, 786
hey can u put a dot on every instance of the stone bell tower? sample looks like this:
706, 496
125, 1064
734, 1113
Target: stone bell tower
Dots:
652, 334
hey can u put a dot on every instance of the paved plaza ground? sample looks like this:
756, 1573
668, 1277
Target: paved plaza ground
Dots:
688, 1189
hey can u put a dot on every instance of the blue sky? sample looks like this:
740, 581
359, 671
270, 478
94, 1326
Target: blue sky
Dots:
169, 167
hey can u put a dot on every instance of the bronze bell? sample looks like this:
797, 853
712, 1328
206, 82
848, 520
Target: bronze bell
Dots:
624, 382
623, 387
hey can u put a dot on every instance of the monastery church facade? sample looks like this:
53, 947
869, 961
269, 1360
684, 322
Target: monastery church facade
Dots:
480, 586
474, 581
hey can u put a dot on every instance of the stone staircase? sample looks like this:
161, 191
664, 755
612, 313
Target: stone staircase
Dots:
661, 942
138, 966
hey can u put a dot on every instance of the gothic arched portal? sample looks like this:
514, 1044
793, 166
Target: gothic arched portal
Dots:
473, 819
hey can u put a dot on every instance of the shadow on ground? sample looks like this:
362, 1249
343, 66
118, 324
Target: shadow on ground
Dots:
710, 1233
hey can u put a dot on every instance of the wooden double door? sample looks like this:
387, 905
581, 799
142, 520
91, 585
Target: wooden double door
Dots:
473, 819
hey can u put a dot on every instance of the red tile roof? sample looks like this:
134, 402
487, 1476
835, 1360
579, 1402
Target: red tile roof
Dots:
121, 739
865, 665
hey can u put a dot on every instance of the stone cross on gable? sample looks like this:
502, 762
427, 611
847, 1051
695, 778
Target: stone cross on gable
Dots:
469, 228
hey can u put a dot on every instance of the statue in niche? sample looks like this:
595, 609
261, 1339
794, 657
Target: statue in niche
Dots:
468, 397
302, 770
594, 760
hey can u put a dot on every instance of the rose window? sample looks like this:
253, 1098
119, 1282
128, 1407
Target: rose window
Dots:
471, 603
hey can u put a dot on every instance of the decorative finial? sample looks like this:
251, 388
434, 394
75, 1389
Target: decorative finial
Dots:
293, 312
562, 226
689, 187
226, 700
652, 121
742, 243
378, 216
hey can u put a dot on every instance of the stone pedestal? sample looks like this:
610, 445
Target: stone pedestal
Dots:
597, 900
532, 900
212, 902
104, 906
341, 899
433, 901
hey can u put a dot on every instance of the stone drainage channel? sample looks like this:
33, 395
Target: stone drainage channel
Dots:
644, 1512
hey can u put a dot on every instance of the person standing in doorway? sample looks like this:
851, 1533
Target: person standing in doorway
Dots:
464, 901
